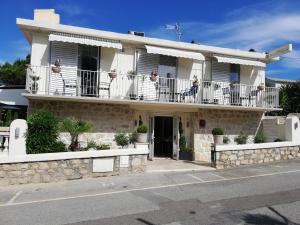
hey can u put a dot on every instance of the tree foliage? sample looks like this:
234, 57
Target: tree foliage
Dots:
290, 98
14, 74
75, 127
42, 133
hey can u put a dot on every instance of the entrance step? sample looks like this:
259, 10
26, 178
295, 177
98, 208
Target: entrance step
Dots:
171, 165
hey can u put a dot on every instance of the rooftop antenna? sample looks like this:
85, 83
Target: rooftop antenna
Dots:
176, 27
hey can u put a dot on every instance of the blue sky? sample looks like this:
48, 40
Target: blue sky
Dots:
262, 25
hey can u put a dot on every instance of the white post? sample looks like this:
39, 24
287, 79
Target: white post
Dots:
17, 140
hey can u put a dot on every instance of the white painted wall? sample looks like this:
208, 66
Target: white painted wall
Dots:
13, 97
252, 75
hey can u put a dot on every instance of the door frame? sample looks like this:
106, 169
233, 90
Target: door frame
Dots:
151, 126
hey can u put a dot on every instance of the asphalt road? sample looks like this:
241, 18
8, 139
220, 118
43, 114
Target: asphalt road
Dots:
263, 194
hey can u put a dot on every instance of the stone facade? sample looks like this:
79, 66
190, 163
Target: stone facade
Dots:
229, 159
232, 121
60, 170
111, 118
107, 119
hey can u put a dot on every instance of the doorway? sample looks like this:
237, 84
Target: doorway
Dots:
163, 133
88, 63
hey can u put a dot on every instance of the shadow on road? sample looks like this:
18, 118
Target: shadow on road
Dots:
267, 220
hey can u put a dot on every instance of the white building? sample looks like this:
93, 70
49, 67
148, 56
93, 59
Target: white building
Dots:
198, 87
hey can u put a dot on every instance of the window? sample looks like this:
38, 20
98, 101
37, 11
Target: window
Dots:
234, 73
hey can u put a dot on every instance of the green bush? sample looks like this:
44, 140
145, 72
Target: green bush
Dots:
103, 147
91, 144
225, 140
142, 129
182, 143
42, 133
133, 137
121, 139
217, 131
241, 139
75, 127
260, 137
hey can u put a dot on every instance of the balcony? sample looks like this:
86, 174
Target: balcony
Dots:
74, 83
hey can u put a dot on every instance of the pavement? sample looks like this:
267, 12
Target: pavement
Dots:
257, 194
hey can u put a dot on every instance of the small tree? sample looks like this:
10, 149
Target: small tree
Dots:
75, 127
122, 139
290, 98
260, 137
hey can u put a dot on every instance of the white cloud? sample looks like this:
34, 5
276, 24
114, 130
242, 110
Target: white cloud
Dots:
247, 27
73, 10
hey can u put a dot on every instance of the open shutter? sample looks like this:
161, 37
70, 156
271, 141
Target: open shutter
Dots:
220, 71
67, 54
145, 62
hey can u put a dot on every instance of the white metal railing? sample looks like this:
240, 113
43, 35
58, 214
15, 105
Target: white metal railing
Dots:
73, 82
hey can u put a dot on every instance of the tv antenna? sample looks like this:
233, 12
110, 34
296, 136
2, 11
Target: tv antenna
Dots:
176, 27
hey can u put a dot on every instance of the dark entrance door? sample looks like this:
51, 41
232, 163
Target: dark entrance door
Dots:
88, 63
163, 133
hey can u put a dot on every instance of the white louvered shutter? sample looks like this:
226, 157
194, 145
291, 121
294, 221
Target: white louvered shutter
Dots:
220, 71
68, 55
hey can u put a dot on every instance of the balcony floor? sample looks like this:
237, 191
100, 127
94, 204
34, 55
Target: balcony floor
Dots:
147, 105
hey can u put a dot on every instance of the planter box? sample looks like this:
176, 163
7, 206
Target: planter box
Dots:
186, 156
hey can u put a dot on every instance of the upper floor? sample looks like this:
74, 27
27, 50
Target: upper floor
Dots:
75, 62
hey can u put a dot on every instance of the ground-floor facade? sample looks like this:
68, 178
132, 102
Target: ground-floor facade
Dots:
165, 124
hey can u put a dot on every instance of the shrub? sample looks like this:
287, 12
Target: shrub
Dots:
182, 143
42, 133
121, 139
91, 144
133, 137
75, 127
103, 147
217, 131
225, 140
260, 137
142, 129
241, 139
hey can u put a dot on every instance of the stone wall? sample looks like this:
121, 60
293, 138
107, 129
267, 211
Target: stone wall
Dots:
232, 121
68, 169
234, 158
108, 119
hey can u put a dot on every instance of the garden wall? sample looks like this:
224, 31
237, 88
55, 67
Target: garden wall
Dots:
228, 156
54, 167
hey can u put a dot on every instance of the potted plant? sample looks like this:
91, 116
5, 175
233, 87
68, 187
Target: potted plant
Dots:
112, 74
142, 133
185, 153
56, 68
241, 139
218, 135
121, 139
153, 76
34, 86
261, 87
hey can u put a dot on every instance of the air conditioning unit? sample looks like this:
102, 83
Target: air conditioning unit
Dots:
137, 33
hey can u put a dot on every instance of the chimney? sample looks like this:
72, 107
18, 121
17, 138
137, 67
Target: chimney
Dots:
46, 16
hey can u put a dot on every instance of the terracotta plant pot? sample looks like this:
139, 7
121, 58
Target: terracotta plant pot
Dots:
260, 88
218, 139
153, 78
142, 137
112, 75
56, 69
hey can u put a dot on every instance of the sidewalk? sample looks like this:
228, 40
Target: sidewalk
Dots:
107, 185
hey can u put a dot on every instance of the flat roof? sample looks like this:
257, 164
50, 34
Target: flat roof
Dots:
27, 26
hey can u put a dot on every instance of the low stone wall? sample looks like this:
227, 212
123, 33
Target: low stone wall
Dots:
42, 169
233, 156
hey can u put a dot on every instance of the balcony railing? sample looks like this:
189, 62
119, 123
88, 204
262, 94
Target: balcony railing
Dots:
73, 82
